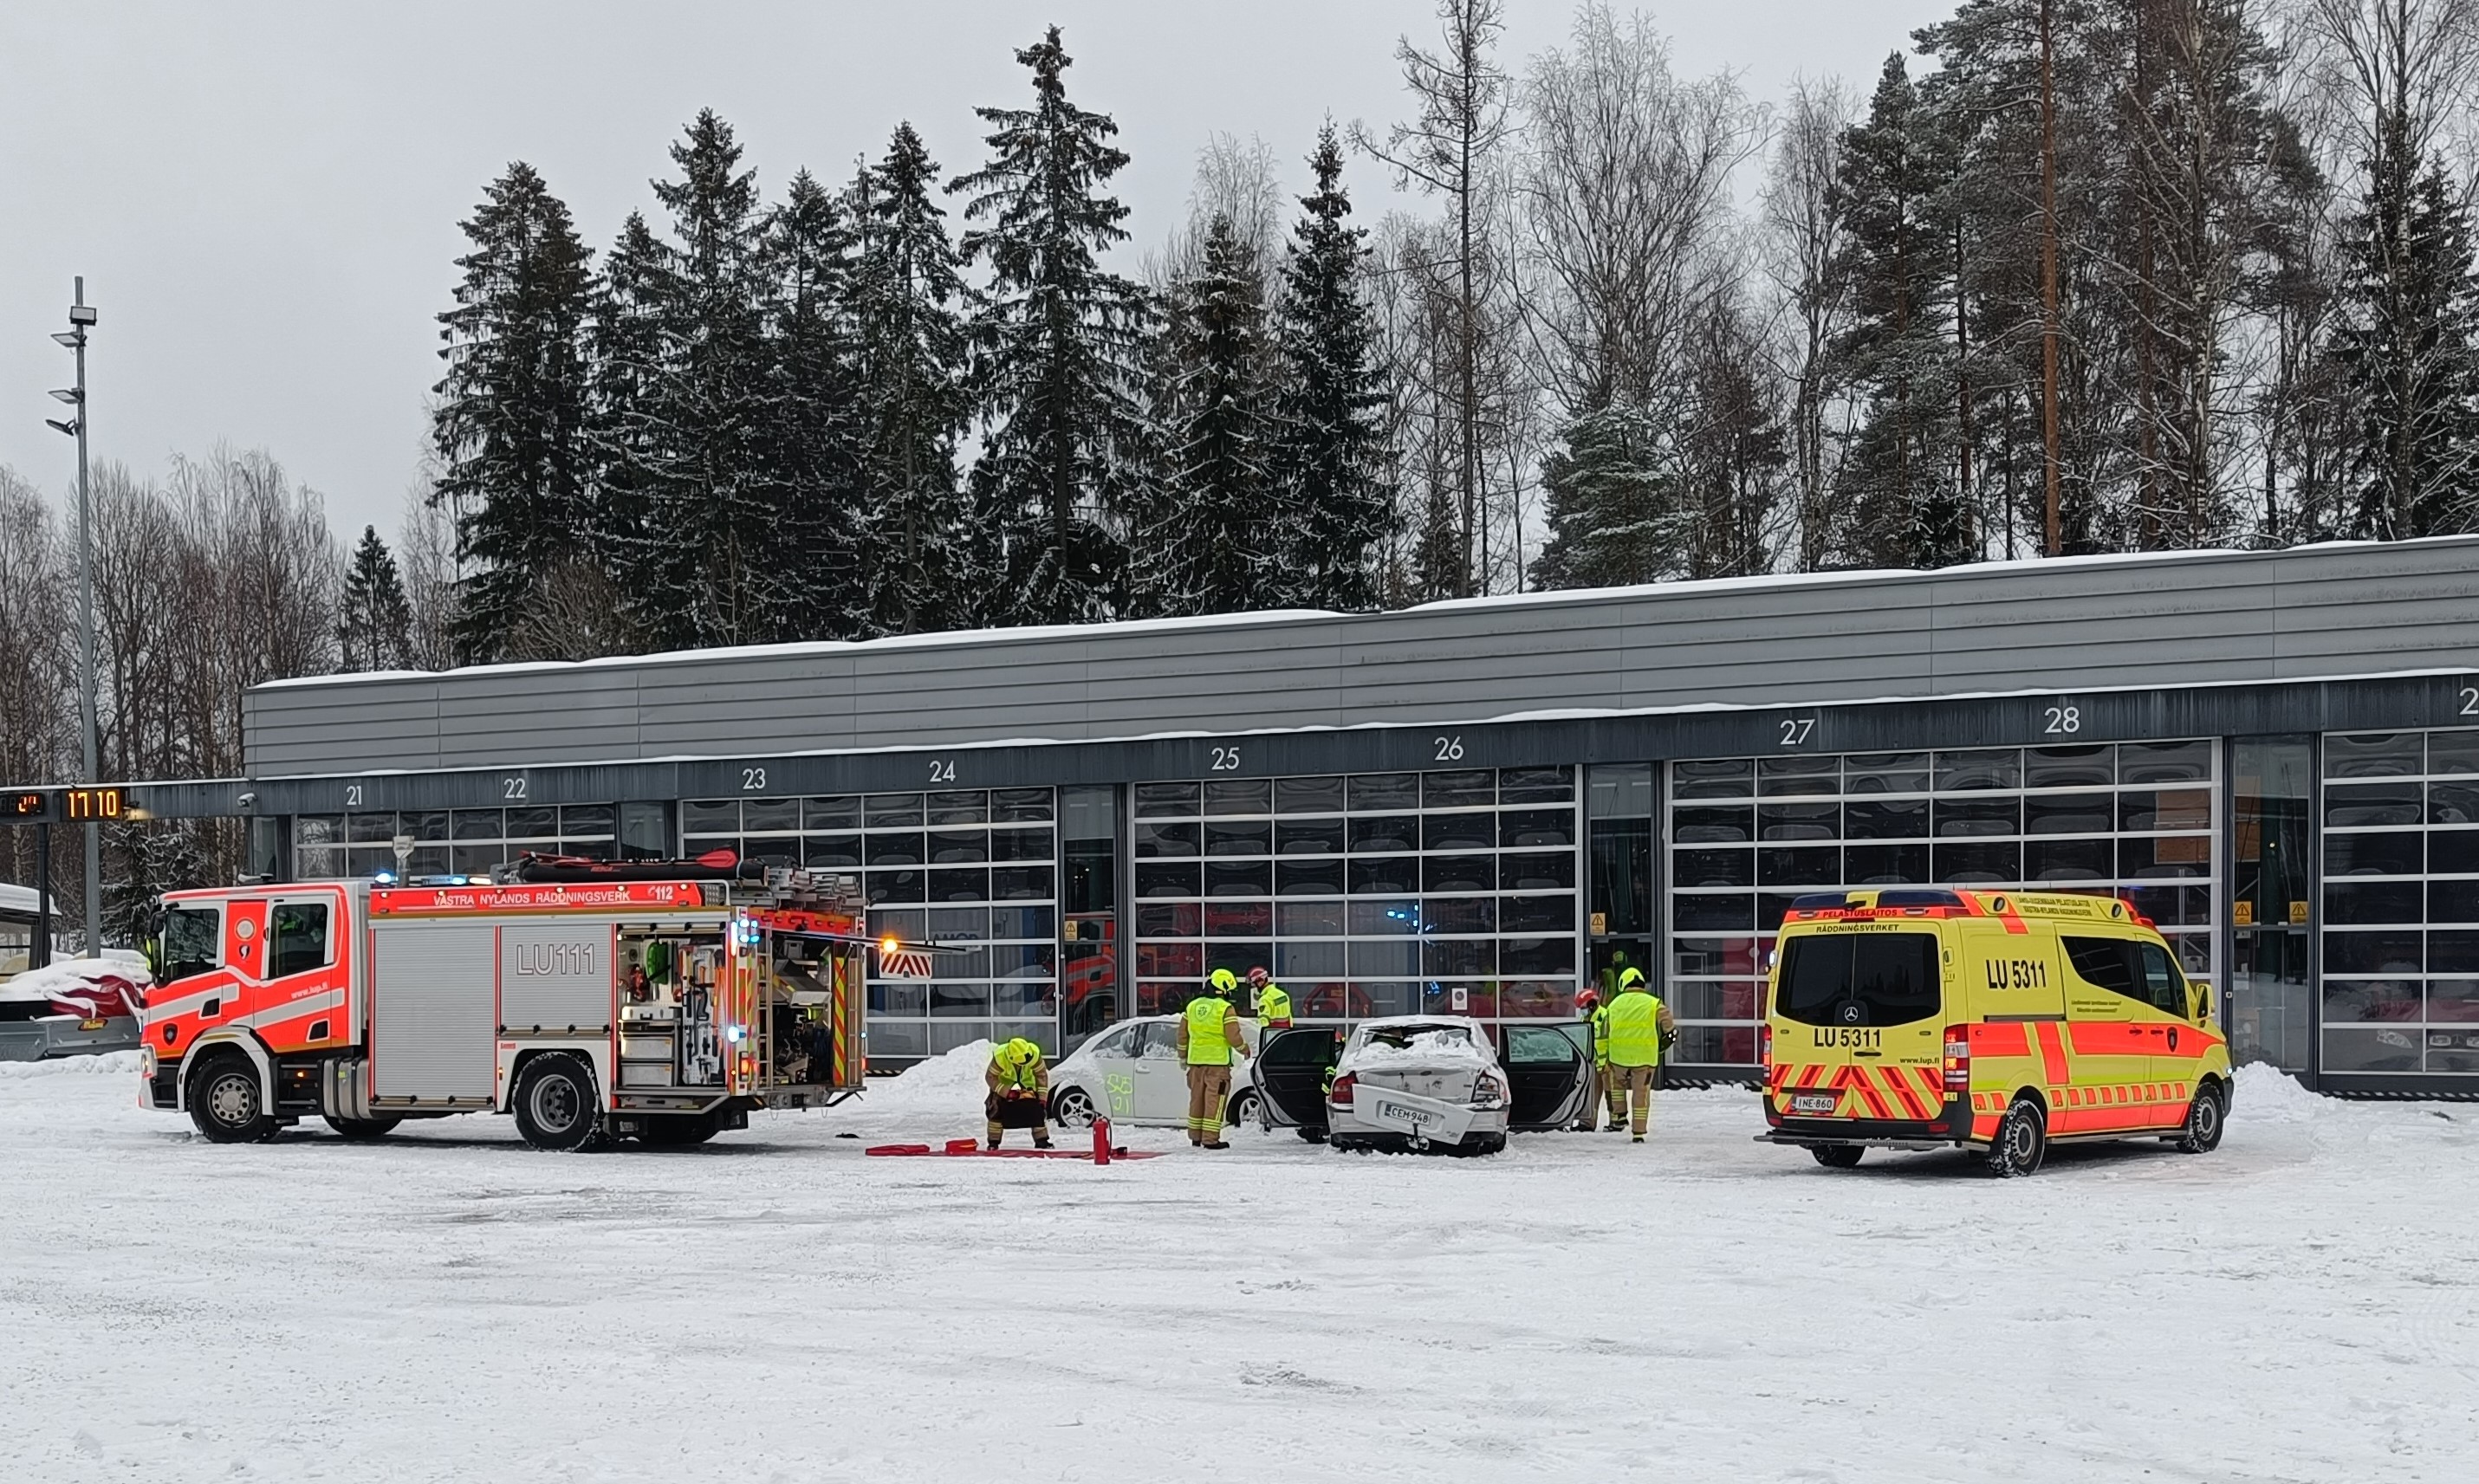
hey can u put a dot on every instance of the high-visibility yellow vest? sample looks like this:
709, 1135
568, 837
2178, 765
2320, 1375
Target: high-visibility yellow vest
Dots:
1634, 1020
1272, 1004
1207, 1043
1602, 1035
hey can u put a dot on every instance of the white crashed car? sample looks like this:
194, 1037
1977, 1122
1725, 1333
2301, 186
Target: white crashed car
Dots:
1423, 1081
1132, 1074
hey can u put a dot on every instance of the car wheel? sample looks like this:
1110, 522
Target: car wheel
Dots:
227, 1102
2022, 1141
555, 1104
1310, 1135
1073, 1107
359, 1128
678, 1131
1246, 1107
1837, 1156
2205, 1117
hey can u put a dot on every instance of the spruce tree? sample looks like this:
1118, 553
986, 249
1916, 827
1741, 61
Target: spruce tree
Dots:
630, 357
1899, 475
510, 425
921, 556
814, 450
1329, 455
2408, 343
1614, 514
1216, 534
704, 567
1058, 350
373, 620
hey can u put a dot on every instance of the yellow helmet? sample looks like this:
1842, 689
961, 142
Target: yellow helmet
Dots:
1630, 977
1019, 1052
1222, 982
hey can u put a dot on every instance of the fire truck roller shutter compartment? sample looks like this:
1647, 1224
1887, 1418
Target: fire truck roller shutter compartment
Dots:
432, 1020
555, 977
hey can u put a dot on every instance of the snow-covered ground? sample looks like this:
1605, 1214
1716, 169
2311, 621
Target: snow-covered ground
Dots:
447, 1305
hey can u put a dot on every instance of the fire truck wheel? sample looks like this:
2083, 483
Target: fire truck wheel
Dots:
678, 1130
227, 1103
2202, 1133
361, 1128
2022, 1141
555, 1105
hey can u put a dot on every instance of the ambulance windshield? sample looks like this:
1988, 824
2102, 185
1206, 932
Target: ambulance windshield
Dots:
1874, 979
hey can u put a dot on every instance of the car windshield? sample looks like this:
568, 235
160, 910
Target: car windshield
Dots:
1875, 979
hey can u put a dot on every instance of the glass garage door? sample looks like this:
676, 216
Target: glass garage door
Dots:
1746, 835
1371, 894
2401, 903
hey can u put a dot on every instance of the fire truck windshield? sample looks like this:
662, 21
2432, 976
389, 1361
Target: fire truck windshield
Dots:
192, 941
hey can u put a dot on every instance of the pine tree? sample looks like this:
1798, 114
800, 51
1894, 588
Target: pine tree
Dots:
1213, 537
2410, 344
814, 449
373, 620
1899, 476
921, 555
706, 567
1057, 352
510, 425
1329, 409
628, 434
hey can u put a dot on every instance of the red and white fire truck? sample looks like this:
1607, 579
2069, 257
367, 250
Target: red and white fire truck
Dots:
660, 1011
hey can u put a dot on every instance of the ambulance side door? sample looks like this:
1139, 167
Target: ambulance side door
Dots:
2107, 1030
2178, 1041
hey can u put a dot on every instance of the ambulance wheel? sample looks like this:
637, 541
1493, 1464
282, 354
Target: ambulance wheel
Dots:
678, 1131
361, 1128
2022, 1141
2202, 1133
1072, 1109
556, 1102
1838, 1156
227, 1103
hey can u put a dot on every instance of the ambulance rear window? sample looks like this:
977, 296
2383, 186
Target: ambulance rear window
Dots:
1862, 979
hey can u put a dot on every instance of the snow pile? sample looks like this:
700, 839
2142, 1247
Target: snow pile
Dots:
112, 984
942, 1084
2266, 1094
1439, 1046
107, 1063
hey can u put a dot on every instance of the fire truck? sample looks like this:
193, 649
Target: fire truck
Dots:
590, 1009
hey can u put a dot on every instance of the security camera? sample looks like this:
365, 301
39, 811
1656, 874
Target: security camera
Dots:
246, 800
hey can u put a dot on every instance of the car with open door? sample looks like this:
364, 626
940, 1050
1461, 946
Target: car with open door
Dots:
1423, 1081
1132, 1074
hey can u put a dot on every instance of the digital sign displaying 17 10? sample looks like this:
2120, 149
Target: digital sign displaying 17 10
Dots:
92, 804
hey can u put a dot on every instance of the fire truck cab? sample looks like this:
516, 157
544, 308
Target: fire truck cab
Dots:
656, 1011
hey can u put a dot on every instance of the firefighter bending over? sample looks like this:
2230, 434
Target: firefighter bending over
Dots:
1209, 1036
1019, 1084
1638, 1024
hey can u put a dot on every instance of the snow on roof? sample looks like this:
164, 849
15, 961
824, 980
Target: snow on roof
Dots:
14, 898
1683, 589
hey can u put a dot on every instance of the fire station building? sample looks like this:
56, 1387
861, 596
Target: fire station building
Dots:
1472, 807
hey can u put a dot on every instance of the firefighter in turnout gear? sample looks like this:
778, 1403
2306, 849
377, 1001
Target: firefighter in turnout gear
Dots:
1273, 1005
1639, 1025
1209, 1038
1588, 1009
1018, 1079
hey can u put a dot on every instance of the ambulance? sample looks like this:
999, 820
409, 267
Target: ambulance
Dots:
1999, 1022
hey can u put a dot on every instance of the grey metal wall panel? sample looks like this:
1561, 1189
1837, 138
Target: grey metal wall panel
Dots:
2187, 619
432, 1020
557, 976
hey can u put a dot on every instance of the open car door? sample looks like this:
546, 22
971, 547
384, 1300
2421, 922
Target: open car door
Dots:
1548, 1073
1290, 1072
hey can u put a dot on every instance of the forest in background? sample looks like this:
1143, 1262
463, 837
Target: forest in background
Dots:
2063, 276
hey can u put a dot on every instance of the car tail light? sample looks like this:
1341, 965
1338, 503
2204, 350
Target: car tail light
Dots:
1957, 1059
1340, 1093
1488, 1092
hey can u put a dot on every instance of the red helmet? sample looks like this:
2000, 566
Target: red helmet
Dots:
1258, 976
1587, 997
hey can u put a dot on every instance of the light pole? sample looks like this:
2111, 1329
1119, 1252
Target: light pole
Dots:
81, 316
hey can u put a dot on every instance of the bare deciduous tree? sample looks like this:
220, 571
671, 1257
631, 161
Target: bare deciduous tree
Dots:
1803, 241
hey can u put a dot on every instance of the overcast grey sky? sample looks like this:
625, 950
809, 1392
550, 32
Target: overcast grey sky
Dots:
264, 198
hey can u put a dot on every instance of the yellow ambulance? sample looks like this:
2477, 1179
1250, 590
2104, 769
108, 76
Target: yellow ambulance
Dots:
1998, 1021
